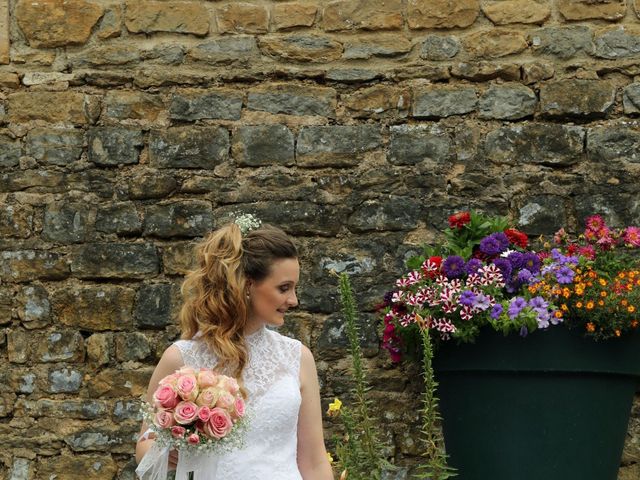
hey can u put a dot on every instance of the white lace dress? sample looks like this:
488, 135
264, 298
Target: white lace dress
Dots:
271, 378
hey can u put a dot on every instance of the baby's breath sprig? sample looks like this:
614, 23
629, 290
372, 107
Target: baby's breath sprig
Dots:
246, 222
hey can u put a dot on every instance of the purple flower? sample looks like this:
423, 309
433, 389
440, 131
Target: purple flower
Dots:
494, 244
531, 262
473, 266
496, 311
516, 259
516, 306
564, 275
524, 331
481, 302
467, 298
453, 266
524, 276
538, 303
543, 318
504, 266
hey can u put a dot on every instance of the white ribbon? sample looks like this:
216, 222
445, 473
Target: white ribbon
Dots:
155, 465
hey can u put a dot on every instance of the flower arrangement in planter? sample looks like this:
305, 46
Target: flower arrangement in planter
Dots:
505, 319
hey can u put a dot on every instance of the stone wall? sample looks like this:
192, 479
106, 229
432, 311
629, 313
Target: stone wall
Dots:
129, 129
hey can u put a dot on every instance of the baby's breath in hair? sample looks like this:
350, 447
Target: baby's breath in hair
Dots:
247, 222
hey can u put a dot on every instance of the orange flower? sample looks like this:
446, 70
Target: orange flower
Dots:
617, 332
564, 307
558, 313
601, 303
634, 324
624, 302
631, 309
603, 293
589, 305
579, 304
602, 282
591, 327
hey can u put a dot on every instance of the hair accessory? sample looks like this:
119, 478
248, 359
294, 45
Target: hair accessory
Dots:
247, 222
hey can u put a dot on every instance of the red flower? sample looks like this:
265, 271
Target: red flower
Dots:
517, 237
431, 267
459, 220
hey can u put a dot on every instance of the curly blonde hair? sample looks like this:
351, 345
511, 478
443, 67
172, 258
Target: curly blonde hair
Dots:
215, 293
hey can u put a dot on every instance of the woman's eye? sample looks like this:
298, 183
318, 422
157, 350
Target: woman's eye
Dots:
284, 288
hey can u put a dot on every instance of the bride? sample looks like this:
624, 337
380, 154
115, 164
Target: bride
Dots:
243, 283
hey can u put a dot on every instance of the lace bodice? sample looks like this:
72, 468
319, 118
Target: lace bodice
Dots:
271, 378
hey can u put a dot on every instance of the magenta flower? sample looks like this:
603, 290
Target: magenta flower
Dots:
632, 236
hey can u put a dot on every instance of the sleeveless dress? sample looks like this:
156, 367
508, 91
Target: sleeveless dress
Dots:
272, 380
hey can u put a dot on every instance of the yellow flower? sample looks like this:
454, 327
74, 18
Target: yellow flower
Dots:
601, 303
564, 307
329, 457
334, 407
603, 293
631, 309
589, 305
579, 304
624, 302
602, 282
558, 313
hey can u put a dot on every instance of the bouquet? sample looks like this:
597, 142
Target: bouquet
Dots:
193, 411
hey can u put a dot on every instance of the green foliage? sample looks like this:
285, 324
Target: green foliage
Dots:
436, 467
360, 452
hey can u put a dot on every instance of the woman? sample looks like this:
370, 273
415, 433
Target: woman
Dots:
242, 284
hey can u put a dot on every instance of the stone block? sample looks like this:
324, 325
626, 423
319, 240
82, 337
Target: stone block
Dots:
379, 46
392, 213
240, 17
437, 101
301, 48
613, 144
113, 146
494, 43
517, 11
337, 145
100, 348
411, 145
78, 467
293, 100
189, 147
55, 146
537, 71
225, 50
8, 79
96, 437
111, 24
187, 218
379, 101
148, 16
94, 308
34, 308
631, 98
127, 410
131, 346
592, 9
28, 265
577, 98
18, 342
43, 180
507, 102
562, 42
129, 105
542, 215
79, 409
362, 14
442, 13
263, 145
294, 14
119, 383
119, 218
16, 220
151, 184
618, 43
439, 47
333, 337
58, 346
545, 144
111, 54
67, 222
63, 380
178, 259
6, 308
5, 41
57, 23
115, 260
154, 306
192, 105
10, 151
483, 71
351, 75
52, 107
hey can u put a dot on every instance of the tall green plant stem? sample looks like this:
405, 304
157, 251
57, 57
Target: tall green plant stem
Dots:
369, 441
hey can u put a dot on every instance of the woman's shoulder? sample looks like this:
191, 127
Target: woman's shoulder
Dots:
283, 340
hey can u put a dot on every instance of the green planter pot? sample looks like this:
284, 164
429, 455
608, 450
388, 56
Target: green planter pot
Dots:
552, 406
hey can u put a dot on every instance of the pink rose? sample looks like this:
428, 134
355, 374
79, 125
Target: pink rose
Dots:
231, 385
193, 439
219, 424
204, 413
208, 397
206, 378
187, 387
239, 406
226, 401
169, 380
163, 419
177, 431
185, 413
186, 371
166, 397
